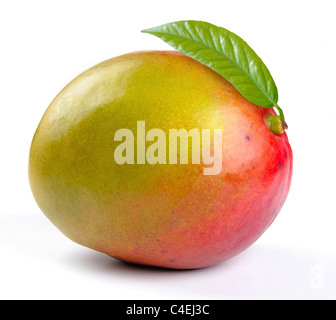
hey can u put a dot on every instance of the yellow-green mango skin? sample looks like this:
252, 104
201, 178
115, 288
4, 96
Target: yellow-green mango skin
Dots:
169, 215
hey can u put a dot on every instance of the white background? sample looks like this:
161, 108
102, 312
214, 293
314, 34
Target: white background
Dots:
45, 44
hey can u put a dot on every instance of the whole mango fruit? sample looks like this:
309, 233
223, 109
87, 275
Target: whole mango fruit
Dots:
109, 182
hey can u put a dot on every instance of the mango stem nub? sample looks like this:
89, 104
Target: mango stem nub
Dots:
276, 124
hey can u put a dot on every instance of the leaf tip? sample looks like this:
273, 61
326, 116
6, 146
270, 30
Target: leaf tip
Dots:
150, 30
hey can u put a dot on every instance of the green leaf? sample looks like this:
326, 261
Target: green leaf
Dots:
224, 52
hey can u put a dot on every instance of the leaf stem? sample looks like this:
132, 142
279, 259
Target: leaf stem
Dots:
282, 117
